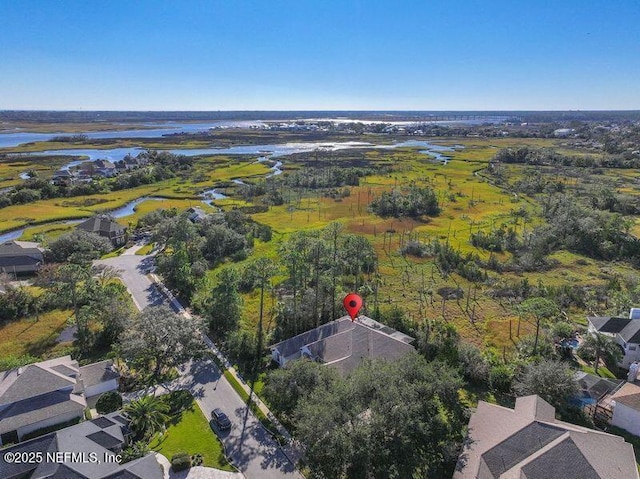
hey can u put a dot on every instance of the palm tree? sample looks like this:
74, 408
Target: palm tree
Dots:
601, 346
147, 416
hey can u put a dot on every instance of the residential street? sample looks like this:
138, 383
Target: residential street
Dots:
248, 445
133, 272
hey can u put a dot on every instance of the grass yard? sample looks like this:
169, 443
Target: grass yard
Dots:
146, 249
193, 435
36, 337
603, 372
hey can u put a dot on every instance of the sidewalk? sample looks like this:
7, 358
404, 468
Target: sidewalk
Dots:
291, 448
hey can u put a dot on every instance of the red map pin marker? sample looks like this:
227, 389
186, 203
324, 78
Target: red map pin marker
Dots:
352, 303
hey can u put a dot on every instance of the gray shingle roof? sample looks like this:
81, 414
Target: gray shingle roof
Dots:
565, 460
39, 408
15, 470
595, 386
12, 248
519, 446
105, 440
529, 443
97, 373
344, 344
80, 438
627, 328
14, 254
101, 225
30, 381
47, 389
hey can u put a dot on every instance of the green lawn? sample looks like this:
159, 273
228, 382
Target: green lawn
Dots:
193, 435
603, 372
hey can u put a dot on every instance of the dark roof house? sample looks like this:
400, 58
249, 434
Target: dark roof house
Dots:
90, 448
196, 215
47, 393
529, 443
625, 331
20, 257
106, 227
344, 344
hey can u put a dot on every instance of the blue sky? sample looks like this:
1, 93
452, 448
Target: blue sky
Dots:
318, 55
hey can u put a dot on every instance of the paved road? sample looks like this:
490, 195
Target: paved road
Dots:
248, 445
133, 272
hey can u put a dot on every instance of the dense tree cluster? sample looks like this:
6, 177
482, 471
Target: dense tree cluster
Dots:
413, 202
190, 249
158, 338
319, 264
78, 247
387, 419
329, 177
550, 157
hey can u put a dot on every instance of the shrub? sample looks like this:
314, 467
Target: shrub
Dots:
12, 362
137, 450
474, 367
180, 461
416, 248
109, 402
412, 202
178, 401
500, 378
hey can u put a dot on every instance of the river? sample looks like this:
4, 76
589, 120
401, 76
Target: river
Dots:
154, 130
122, 212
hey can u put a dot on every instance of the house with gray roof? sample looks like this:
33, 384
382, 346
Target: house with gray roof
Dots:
49, 393
625, 331
105, 168
84, 451
107, 228
528, 442
20, 257
63, 178
196, 215
343, 344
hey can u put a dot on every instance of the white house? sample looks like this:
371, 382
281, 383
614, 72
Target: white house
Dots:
626, 405
48, 393
625, 331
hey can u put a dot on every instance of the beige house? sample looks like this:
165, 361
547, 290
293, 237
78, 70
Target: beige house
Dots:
528, 442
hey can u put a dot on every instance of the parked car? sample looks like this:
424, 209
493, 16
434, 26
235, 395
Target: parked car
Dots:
221, 419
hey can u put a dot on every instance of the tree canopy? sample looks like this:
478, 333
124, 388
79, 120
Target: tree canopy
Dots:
387, 419
158, 339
